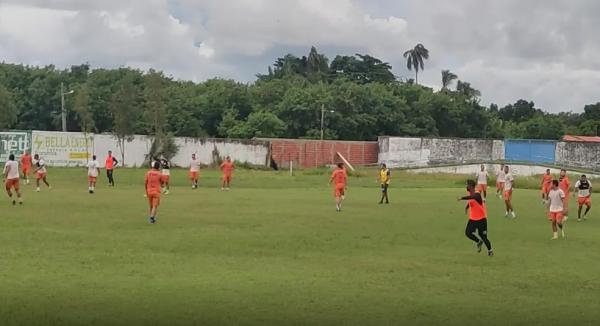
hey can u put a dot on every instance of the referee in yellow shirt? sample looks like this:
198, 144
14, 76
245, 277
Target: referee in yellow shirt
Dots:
384, 179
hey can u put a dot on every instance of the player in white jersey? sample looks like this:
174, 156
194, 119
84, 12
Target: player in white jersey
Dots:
11, 177
508, 190
93, 167
584, 194
556, 209
482, 181
194, 171
40, 171
500, 178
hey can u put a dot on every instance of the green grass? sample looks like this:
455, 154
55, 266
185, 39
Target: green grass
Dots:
273, 251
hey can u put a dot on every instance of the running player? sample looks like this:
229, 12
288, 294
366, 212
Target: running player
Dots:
500, 179
40, 172
565, 185
584, 193
477, 218
384, 179
194, 171
153, 187
482, 183
166, 174
508, 190
93, 167
110, 164
546, 185
26, 163
339, 178
556, 209
227, 168
11, 177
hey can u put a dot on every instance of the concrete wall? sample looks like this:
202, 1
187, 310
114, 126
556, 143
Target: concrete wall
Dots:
135, 150
69, 149
317, 153
576, 154
255, 152
415, 152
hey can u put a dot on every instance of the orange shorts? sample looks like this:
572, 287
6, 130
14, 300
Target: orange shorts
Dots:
91, 179
339, 190
227, 177
194, 175
556, 216
585, 201
481, 187
26, 170
40, 175
12, 184
154, 199
546, 189
499, 185
165, 178
508, 194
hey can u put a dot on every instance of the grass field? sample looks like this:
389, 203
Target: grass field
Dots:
273, 251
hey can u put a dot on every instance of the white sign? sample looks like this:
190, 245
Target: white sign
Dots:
62, 149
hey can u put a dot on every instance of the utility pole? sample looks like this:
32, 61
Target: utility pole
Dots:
322, 119
63, 111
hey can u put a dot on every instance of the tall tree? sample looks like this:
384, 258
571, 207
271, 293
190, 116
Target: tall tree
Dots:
317, 65
83, 113
414, 59
8, 112
155, 112
125, 112
467, 90
447, 78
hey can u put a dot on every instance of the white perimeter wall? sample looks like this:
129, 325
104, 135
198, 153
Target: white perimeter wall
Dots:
416, 152
208, 150
69, 149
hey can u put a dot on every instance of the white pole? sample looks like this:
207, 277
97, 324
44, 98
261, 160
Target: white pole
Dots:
291, 168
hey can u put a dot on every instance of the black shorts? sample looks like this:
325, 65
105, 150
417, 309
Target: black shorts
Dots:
479, 226
384, 187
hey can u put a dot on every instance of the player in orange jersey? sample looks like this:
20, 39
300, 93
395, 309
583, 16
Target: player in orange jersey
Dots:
227, 168
546, 185
153, 187
565, 185
339, 178
477, 218
26, 162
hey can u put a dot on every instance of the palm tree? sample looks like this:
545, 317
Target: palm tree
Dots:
414, 59
468, 91
447, 78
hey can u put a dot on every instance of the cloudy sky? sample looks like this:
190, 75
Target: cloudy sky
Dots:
541, 50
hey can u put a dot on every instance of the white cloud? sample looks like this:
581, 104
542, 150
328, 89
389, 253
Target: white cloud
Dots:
545, 51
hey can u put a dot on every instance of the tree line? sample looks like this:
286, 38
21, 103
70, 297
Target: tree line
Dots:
353, 97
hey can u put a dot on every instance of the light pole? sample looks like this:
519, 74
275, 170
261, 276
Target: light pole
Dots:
323, 118
63, 111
